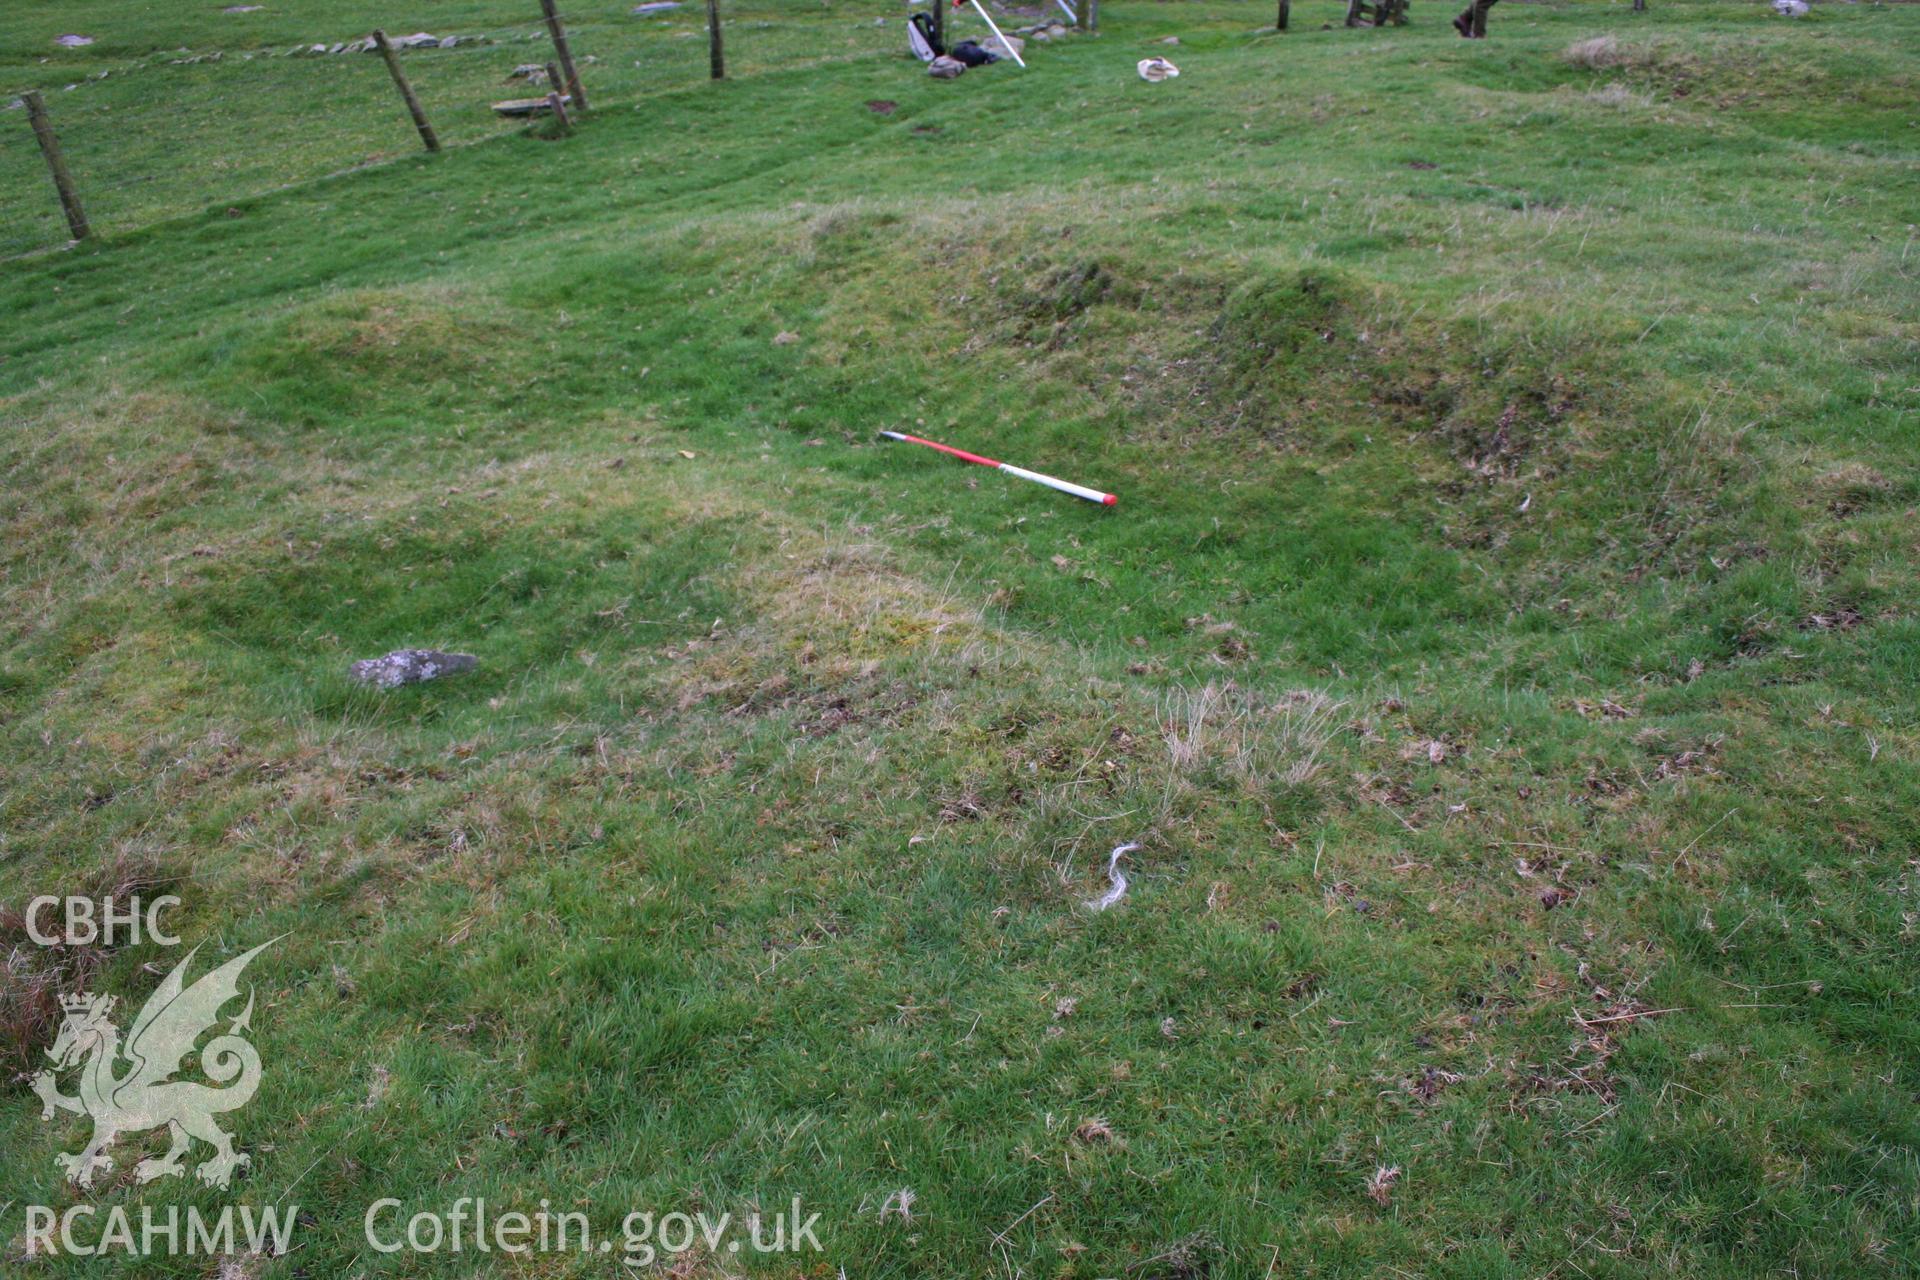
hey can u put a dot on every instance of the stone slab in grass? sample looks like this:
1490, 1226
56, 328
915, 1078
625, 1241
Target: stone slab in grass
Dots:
411, 666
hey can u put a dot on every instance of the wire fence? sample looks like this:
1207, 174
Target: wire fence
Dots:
227, 115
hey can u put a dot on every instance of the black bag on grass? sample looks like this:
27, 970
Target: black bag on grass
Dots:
972, 54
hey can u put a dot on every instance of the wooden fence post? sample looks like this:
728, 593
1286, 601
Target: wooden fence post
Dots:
556, 98
56, 164
1090, 15
1286, 8
716, 56
427, 134
565, 54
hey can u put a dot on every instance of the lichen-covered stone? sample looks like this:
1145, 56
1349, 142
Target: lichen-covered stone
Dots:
410, 666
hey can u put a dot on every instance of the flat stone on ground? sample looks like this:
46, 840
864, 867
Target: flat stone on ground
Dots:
411, 666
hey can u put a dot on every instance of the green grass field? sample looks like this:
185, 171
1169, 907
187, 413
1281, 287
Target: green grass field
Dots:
1504, 649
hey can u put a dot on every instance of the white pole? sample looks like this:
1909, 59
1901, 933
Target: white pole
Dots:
996, 31
1068, 10
1053, 482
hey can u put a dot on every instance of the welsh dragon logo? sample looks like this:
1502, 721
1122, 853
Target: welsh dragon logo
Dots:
141, 1096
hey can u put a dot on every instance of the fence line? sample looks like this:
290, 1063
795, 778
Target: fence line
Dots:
136, 152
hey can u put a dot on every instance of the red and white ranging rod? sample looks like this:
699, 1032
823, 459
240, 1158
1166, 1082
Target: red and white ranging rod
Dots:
1078, 491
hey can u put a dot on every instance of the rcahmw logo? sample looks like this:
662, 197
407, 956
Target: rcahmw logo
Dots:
158, 1230
83, 922
473, 1225
143, 1095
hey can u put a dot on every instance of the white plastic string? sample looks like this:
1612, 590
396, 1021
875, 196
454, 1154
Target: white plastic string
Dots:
1116, 877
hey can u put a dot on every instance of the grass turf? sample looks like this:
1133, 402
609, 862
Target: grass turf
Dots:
1506, 633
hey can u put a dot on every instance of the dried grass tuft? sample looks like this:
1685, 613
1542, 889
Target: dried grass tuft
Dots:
1595, 53
1616, 94
1380, 1184
1096, 1132
1222, 727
